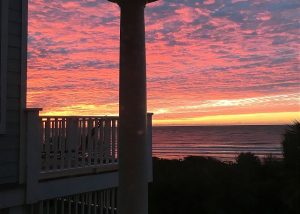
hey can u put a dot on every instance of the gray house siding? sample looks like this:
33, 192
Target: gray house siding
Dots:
15, 102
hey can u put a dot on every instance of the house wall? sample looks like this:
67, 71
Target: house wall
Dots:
15, 101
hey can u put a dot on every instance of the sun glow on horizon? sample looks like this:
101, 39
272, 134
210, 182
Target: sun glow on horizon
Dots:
276, 118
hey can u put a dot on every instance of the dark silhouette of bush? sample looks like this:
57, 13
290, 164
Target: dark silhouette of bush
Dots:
291, 160
247, 160
248, 165
291, 147
209, 186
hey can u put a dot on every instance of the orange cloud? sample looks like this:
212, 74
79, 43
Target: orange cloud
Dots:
217, 60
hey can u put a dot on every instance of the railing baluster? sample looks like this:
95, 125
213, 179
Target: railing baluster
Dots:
69, 204
55, 206
62, 204
77, 143
76, 204
84, 137
67, 142
89, 140
82, 203
107, 141
41, 207
117, 140
89, 196
62, 142
70, 138
113, 140
107, 200
112, 204
48, 207
101, 202
47, 145
80, 142
43, 147
52, 134
95, 202
101, 142
96, 141
55, 138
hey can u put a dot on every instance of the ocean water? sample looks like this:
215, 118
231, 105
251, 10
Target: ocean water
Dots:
222, 142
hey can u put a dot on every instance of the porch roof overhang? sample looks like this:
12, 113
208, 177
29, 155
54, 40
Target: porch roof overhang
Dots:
132, 1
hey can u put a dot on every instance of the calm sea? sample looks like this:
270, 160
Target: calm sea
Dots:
222, 142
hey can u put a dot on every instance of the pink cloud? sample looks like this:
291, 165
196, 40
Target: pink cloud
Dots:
196, 53
209, 2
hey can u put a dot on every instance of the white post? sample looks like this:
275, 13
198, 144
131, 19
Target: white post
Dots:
149, 147
33, 140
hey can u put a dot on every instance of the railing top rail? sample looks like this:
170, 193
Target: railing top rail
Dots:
96, 116
113, 117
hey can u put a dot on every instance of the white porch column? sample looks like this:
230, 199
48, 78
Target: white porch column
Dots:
133, 172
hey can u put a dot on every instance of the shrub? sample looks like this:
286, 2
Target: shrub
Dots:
291, 146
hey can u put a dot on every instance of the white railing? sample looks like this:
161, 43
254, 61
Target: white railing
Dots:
77, 149
104, 201
78, 142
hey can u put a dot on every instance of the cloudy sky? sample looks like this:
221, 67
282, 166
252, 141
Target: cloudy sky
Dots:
208, 61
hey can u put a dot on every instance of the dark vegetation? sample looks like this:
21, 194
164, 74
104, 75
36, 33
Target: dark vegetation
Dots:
248, 186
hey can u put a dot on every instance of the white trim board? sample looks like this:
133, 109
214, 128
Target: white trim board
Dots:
3, 56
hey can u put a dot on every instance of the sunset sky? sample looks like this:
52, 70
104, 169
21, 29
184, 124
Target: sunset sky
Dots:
208, 61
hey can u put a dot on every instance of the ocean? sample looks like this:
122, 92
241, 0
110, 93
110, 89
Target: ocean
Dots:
221, 142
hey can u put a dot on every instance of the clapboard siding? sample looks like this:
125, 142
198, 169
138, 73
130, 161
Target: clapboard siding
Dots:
13, 66
14, 15
10, 141
8, 170
12, 132
14, 29
4, 180
4, 143
15, 5
14, 41
13, 91
13, 116
13, 79
8, 155
13, 104
14, 53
